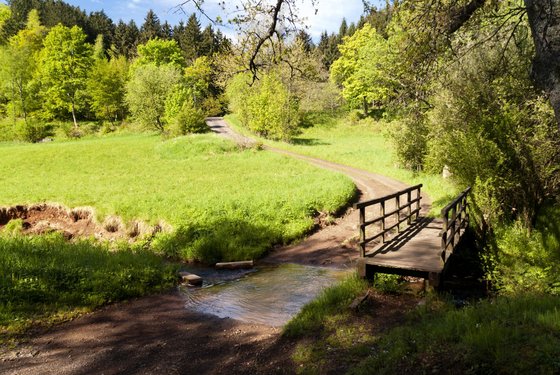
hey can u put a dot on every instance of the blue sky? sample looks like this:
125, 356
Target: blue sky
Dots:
328, 18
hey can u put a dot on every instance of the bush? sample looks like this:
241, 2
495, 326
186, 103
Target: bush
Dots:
267, 107
188, 120
34, 131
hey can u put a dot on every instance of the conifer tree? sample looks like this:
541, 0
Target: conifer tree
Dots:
151, 28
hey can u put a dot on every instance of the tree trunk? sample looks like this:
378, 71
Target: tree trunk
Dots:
544, 19
74, 115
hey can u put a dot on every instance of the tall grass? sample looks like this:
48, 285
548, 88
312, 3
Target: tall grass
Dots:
515, 335
44, 278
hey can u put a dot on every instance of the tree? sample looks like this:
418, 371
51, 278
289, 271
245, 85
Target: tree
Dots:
125, 39
106, 86
5, 14
192, 38
98, 23
267, 107
363, 69
160, 52
147, 92
19, 62
64, 64
305, 39
151, 28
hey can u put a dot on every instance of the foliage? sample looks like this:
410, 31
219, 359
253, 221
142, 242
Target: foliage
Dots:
147, 92
524, 260
363, 69
46, 275
64, 65
267, 108
106, 86
160, 52
495, 132
218, 193
189, 119
33, 130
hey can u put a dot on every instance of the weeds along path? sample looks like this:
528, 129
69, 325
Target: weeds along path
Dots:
333, 245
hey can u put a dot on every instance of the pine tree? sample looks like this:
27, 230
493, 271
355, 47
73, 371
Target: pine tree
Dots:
208, 43
192, 39
151, 28
100, 24
343, 30
305, 39
166, 31
125, 39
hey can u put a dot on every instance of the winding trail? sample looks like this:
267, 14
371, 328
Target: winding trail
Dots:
333, 245
157, 335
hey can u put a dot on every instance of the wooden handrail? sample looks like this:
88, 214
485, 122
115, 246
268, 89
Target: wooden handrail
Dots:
399, 208
451, 231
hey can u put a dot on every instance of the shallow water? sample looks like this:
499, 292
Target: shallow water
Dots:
268, 295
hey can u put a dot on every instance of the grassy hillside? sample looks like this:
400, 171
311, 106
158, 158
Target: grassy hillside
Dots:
223, 202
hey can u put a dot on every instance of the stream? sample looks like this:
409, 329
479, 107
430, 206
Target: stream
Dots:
269, 295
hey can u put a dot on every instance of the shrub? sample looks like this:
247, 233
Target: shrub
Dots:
267, 107
34, 131
188, 120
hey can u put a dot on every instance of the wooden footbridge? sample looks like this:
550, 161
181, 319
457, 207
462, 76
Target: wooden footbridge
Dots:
396, 239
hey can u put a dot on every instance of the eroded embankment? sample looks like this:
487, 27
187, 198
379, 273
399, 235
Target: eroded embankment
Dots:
78, 222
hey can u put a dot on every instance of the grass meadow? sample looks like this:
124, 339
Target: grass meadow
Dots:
362, 144
224, 203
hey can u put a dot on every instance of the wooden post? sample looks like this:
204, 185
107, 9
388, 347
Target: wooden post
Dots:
362, 232
444, 237
383, 221
398, 203
408, 200
453, 219
418, 203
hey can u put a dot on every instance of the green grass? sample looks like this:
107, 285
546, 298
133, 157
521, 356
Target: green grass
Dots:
363, 144
223, 203
515, 334
45, 279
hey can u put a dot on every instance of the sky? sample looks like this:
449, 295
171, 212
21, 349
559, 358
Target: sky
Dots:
328, 17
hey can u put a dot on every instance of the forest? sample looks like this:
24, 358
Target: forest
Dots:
466, 87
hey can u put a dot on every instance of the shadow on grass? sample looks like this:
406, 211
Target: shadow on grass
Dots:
308, 142
222, 239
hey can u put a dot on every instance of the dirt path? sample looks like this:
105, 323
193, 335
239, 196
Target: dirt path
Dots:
157, 335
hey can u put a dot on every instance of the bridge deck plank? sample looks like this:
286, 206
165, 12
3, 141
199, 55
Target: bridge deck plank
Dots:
418, 248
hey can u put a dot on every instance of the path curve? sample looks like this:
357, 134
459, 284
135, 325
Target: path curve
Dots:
334, 245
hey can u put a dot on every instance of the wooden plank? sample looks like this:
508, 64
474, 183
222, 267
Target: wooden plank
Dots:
418, 248
234, 265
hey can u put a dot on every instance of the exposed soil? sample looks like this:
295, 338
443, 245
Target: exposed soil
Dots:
158, 335
73, 223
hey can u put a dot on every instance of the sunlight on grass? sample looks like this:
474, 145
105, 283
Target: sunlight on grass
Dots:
223, 202
46, 278
363, 145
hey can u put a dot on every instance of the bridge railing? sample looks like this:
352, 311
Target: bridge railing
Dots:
388, 220
455, 218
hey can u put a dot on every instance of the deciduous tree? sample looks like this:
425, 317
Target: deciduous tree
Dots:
64, 64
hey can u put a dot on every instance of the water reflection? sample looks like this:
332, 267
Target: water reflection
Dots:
269, 295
